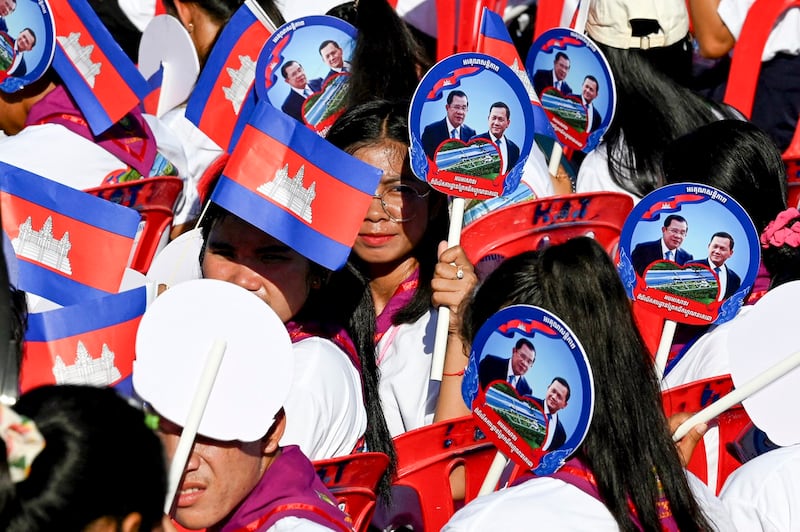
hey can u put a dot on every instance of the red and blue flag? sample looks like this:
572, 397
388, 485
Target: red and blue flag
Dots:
88, 343
494, 40
154, 82
224, 96
70, 245
291, 183
101, 78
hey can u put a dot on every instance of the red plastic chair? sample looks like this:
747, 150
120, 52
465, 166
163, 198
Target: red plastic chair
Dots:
695, 396
532, 224
792, 160
425, 459
352, 479
746, 59
154, 198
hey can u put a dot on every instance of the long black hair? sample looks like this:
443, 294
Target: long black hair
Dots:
382, 121
388, 61
628, 448
652, 110
222, 10
99, 460
736, 157
365, 125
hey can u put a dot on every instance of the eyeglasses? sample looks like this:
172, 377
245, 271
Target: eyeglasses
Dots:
459, 107
397, 198
679, 232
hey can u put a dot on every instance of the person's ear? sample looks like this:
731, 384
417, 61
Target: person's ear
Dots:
185, 13
132, 522
273, 437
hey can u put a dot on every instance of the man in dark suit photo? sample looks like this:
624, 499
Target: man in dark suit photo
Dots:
300, 88
589, 91
720, 249
6, 8
668, 247
452, 126
333, 55
555, 399
511, 370
499, 120
555, 77
25, 42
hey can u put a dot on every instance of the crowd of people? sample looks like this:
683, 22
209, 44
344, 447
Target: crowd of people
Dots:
360, 340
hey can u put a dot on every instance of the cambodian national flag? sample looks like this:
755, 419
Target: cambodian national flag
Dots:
291, 183
495, 41
88, 343
71, 246
104, 82
223, 98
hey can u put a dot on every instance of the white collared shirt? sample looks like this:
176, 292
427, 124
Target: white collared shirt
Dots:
503, 151
723, 278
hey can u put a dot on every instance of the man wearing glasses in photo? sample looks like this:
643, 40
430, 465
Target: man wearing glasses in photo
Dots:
668, 247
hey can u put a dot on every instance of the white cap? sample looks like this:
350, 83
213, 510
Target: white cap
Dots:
609, 23
173, 342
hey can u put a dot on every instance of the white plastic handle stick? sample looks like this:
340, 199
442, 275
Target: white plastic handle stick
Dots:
555, 159
443, 321
201, 395
738, 395
662, 354
494, 473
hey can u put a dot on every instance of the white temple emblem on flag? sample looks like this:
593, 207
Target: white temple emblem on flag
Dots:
289, 192
81, 56
41, 246
87, 370
241, 80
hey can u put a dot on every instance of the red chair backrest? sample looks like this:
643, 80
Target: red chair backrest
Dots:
154, 198
352, 479
531, 224
746, 60
695, 396
792, 160
426, 457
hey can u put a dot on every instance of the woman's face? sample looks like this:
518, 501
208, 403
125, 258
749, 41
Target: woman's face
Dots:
382, 240
244, 255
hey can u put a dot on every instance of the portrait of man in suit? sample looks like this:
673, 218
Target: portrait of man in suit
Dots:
668, 247
499, 120
452, 126
720, 249
25, 42
333, 56
589, 91
300, 88
512, 370
6, 8
555, 399
554, 78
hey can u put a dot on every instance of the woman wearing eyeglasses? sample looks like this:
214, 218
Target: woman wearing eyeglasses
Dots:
403, 269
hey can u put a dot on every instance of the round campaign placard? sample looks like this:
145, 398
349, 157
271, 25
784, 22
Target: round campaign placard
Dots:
572, 79
304, 69
471, 127
27, 42
690, 252
530, 387
166, 50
